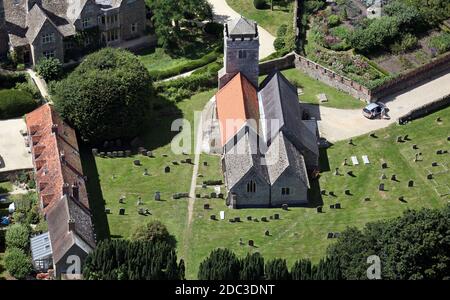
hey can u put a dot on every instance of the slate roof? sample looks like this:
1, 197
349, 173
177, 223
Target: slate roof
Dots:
242, 158
36, 18
242, 27
286, 159
62, 238
237, 102
279, 101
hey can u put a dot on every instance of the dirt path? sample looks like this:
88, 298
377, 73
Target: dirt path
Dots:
223, 13
40, 83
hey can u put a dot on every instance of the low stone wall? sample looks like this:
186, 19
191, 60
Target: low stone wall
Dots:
425, 110
9, 175
331, 78
413, 77
283, 63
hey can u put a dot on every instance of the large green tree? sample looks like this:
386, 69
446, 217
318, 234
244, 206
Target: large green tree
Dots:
153, 231
222, 264
18, 263
108, 96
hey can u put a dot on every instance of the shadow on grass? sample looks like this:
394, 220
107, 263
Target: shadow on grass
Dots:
314, 195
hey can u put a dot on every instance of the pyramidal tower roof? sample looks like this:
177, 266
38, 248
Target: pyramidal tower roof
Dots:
242, 27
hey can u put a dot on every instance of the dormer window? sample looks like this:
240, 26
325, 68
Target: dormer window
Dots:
48, 38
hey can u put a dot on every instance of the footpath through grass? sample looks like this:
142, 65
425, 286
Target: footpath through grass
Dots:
302, 232
266, 18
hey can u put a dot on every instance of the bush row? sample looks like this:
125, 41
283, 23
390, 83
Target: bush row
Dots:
15, 103
9, 80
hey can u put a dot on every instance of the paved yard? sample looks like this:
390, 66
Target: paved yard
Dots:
340, 124
12, 146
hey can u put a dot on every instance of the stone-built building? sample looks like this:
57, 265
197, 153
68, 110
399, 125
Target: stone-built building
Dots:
61, 188
64, 28
269, 151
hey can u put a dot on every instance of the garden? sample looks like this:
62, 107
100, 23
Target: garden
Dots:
373, 50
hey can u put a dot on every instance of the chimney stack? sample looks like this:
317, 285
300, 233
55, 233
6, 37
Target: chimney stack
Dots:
71, 225
65, 189
75, 191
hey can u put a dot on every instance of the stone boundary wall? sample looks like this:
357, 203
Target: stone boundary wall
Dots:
425, 110
411, 78
8, 175
283, 63
332, 78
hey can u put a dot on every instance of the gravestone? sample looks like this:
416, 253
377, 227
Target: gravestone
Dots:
394, 177
330, 235
213, 217
167, 169
121, 211
231, 220
336, 172
263, 219
430, 176
118, 143
337, 206
107, 211
319, 209
367, 199
350, 173
183, 161
164, 155
255, 220
438, 119
401, 198
114, 153
284, 206
251, 243
439, 152
143, 151
157, 196
347, 192
410, 183
127, 153
139, 202
350, 142
323, 192
206, 206
237, 219
267, 233
105, 144
270, 217
434, 164
109, 154
332, 193
137, 162
406, 138
146, 172
381, 187
384, 165
220, 196
120, 154
94, 151
416, 157
174, 162
249, 218
141, 211
345, 163
373, 135
102, 154
415, 147
189, 160
383, 176
448, 138
276, 216
204, 186
149, 153
336, 235
399, 139
205, 163
332, 206
213, 195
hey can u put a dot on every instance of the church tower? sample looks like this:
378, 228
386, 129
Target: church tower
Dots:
241, 51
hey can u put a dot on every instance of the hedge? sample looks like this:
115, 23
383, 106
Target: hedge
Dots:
189, 66
15, 103
9, 80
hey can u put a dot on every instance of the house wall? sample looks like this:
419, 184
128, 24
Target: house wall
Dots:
90, 11
61, 267
132, 12
3, 34
57, 45
261, 198
298, 192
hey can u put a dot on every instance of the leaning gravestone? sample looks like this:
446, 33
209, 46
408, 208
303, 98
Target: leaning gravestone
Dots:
175, 162
122, 211
399, 139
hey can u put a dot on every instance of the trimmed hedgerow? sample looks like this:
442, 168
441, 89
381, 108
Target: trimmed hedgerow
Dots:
15, 103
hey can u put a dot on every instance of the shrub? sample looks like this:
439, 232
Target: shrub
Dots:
108, 96
441, 42
17, 236
313, 6
334, 20
154, 232
281, 31
15, 103
18, 263
277, 270
49, 68
213, 182
279, 43
9, 80
408, 42
213, 28
260, 4
221, 264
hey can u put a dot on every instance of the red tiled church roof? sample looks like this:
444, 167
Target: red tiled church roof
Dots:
237, 102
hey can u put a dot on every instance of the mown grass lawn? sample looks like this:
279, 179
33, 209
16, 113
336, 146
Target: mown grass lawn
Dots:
311, 88
302, 232
268, 19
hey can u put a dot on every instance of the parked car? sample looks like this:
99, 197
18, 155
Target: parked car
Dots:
373, 110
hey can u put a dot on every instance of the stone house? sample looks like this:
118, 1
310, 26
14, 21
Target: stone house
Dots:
269, 150
61, 188
66, 28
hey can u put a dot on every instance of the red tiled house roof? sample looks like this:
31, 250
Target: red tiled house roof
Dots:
56, 158
237, 103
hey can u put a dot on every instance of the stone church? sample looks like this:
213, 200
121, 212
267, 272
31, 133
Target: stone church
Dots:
268, 151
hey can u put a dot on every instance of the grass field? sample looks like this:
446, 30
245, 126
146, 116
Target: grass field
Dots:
311, 88
302, 232
268, 19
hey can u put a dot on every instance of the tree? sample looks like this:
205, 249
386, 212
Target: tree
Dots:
301, 270
49, 68
222, 264
154, 231
17, 236
17, 263
276, 269
109, 95
252, 267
